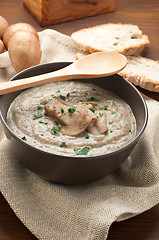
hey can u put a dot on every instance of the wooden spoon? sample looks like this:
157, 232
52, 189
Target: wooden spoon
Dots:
91, 66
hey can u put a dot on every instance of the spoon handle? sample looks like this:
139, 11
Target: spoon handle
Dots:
93, 65
12, 86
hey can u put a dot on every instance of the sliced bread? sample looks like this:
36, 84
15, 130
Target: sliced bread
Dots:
140, 71
143, 72
123, 38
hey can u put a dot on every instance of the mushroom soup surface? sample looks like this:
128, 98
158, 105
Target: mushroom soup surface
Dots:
72, 119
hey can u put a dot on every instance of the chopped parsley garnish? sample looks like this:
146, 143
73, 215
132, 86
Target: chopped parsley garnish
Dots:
42, 134
40, 107
73, 92
24, 138
105, 107
82, 151
113, 112
68, 94
56, 129
87, 136
63, 97
53, 96
36, 116
63, 144
93, 99
45, 123
100, 114
130, 131
62, 110
94, 89
71, 110
85, 123
55, 121
97, 94
92, 109
111, 131
86, 93
58, 91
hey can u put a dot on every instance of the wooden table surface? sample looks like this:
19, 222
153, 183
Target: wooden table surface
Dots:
144, 13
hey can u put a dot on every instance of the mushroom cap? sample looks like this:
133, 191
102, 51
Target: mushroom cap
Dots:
12, 29
1, 46
24, 50
3, 25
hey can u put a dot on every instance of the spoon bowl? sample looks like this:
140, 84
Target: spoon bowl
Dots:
101, 63
94, 65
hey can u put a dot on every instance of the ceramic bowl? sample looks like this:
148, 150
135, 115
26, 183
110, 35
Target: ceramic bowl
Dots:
72, 170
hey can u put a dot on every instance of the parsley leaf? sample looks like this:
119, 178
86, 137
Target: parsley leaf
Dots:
63, 97
63, 144
71, 110
40, 107
87, 136
100, 114
92, 109
24, 138
56, 129
82, 151
45, 123
36, 116
62, 110
105, 107
93, 99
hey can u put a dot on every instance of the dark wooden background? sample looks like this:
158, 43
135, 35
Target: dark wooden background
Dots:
144, 13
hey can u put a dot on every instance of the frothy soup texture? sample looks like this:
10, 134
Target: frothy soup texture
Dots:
72, 119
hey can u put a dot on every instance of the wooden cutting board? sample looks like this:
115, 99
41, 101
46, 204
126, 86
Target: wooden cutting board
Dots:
48, 12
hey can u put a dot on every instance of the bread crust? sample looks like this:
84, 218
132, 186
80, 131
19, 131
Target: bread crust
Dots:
126, 50
142, 80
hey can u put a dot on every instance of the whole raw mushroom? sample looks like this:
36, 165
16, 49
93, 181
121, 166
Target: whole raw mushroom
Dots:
24, 50
12, 29
1, 46
3, 25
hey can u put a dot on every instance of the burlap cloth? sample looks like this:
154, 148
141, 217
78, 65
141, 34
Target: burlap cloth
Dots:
52, 211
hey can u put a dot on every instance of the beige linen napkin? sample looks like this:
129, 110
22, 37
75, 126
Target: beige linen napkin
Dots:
52, 211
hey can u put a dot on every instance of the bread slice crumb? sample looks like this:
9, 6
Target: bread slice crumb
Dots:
143, 72
123, 38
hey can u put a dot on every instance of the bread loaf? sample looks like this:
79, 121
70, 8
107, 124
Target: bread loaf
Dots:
123, 38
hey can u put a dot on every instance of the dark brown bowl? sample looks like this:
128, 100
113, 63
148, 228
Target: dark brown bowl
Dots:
73, 170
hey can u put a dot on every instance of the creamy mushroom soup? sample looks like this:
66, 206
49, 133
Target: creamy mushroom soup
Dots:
72, 119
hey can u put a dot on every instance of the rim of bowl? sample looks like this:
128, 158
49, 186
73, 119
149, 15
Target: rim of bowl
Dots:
75, 157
